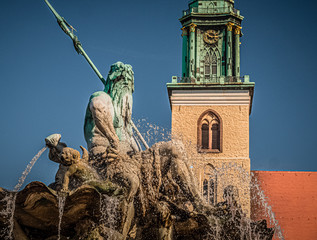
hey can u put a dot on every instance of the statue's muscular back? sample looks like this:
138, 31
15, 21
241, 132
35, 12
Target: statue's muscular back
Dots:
108, 115
99, 110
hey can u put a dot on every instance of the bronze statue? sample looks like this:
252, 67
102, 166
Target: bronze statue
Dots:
73, 170
108, 115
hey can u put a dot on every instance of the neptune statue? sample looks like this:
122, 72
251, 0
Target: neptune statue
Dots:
115, 190
108, 117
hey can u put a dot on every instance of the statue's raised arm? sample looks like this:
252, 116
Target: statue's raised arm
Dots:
109, 83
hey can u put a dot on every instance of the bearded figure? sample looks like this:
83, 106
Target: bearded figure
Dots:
108, 116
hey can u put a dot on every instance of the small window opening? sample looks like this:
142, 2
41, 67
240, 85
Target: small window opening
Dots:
211, 191
215, 137
205, 189
205, 136
214, 65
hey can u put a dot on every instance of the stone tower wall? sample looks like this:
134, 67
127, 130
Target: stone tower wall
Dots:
232, 164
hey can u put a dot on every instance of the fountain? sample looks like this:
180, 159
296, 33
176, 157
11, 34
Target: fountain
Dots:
117, 191
9, 199
61, 205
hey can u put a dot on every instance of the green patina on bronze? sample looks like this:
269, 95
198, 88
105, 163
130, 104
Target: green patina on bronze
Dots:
89, 126
120, 75
211, 31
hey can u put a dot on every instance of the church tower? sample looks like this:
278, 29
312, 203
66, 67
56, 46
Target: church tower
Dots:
211, 102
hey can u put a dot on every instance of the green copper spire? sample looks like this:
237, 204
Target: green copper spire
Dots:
211, 41
211, 32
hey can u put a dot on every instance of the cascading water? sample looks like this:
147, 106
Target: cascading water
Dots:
152, 133
61, 205
254, 188
268, 209
114, 211
7, 213
12, 198
28, 169
108, 210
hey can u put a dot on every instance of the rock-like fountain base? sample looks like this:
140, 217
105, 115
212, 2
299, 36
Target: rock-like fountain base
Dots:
149, 195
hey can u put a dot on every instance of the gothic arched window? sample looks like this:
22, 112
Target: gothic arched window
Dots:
209, 132
210, 66
209, 188
211, 191
211, 7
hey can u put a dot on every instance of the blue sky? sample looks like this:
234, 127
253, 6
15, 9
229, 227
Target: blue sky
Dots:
45, 85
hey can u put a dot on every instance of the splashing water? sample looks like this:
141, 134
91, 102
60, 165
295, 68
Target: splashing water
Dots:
12, 198
7, 213
28, 169
254, 188
61, 205
152, 133
109, 213
109, 205
268, 209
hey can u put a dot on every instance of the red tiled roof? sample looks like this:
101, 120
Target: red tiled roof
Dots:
293, 197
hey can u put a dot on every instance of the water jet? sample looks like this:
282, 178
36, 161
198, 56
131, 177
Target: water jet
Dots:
114, 190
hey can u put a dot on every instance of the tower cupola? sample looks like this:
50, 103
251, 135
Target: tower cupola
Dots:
211, 41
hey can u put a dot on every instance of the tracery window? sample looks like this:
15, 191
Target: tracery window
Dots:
209, 189
209, 132
210, 66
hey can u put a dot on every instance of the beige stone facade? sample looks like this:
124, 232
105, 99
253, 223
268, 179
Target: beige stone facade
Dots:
231, 164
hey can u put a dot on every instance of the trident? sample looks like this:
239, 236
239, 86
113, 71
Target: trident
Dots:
79, 49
